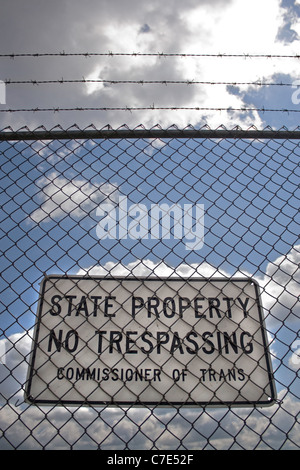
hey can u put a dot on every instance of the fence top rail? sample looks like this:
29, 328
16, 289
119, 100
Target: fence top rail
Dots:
124, 132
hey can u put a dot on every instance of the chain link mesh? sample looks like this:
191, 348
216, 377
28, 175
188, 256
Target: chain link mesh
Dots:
56, 188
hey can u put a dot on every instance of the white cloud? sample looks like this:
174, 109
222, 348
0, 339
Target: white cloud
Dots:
148, 268
92, 84
294, 359
13, 366
280, 287
61, 197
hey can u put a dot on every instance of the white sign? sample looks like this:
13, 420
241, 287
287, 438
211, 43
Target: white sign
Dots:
127, 341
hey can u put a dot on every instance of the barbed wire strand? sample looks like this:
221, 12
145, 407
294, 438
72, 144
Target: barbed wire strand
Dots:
151, 107
147, 54
62, 81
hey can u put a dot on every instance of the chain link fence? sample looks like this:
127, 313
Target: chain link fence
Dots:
149, 289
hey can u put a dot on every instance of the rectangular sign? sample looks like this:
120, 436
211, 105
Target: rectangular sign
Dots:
128, 341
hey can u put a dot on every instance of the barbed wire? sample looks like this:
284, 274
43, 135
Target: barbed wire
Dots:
151, 107
148, 54
62, 81
141, 82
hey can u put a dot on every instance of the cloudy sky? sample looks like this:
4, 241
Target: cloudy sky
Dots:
51, 191
206, 27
